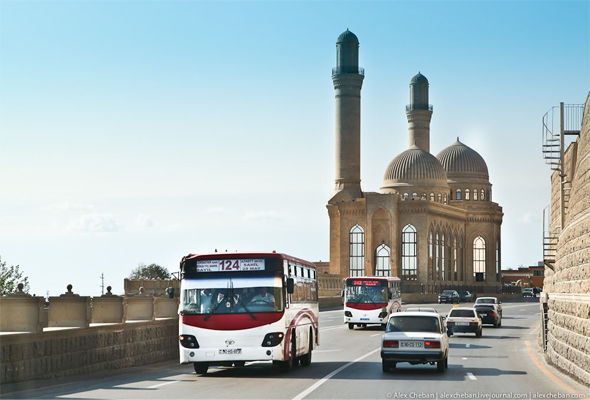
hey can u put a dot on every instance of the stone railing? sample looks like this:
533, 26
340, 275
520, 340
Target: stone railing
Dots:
20, 313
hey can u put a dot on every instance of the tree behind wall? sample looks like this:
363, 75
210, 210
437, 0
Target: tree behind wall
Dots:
10, 277
152, 271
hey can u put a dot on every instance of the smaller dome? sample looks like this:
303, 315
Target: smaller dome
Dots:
414, 167
347, 37
462, 163
419, 79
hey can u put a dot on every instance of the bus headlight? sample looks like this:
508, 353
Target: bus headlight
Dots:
383, 314
188, 341
272, 339
347, 314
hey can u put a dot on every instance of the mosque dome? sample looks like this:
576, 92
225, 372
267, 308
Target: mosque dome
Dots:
462, 163
414, 167
419, 79
347, 37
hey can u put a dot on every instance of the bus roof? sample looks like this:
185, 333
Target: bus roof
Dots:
218, 256
379, 278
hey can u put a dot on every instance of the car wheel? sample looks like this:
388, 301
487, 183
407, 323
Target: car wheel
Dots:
385, 365
449, 333
350, 326
201, 368
500, 323
440, 365
478, 333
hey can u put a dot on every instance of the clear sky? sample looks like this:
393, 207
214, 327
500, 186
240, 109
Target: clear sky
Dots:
137, 132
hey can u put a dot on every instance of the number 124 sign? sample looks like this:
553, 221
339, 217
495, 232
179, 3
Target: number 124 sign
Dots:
230, 265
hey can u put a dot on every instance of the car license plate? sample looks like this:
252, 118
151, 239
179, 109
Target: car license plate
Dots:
411, 344
462, 323
364, 319
230, 351
483, 314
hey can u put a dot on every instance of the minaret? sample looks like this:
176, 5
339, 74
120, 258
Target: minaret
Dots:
419, 113
348, 79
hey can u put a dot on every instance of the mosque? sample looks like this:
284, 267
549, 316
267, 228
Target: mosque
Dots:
433, 222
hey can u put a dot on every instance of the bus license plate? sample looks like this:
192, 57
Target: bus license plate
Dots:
364, 319
230, 351
411, 344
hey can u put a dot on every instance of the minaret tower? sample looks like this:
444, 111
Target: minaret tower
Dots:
419, 113
348, 79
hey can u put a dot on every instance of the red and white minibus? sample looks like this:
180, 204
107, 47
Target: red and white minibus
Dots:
370, 299
239, 307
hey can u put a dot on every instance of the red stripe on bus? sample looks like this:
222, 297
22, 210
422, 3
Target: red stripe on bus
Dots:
231, 322
366, 306
304, 313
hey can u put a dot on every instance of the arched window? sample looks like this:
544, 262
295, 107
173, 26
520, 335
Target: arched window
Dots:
431, 254
357, 251
405, 197
382, 267
442, 256
482, 194
498, 260
475, 194
454, 258
439, 198
467, 194
458, 194
445, 198
437, 257
479, 259
409, 253
431, 196
423, 196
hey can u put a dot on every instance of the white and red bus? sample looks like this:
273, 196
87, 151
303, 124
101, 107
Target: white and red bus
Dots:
240, 307
370, 299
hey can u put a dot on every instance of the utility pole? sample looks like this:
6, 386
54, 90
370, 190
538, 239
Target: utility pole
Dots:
102, 283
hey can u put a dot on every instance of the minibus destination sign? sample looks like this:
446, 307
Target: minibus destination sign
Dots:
230, 265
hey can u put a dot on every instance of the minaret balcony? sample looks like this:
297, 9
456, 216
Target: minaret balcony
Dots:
348, 70
412, 107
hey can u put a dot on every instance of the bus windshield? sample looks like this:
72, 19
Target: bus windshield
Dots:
232, 296
366, 294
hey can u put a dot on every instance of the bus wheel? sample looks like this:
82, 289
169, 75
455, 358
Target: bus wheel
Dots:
350, 326
201, 368
285, 366
306, 359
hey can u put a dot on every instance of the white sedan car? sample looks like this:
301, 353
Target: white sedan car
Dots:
464, 320
416, 338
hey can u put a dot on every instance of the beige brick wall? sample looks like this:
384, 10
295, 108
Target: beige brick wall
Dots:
568, 286
81, 351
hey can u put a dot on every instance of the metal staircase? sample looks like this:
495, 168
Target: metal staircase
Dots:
559, 122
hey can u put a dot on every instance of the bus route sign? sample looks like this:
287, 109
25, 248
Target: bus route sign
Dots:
230, 265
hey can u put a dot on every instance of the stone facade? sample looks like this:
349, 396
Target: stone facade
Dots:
566, 292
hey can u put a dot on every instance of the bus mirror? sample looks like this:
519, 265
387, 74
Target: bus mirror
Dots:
290, 285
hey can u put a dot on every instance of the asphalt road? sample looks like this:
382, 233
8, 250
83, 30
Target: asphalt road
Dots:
504, 364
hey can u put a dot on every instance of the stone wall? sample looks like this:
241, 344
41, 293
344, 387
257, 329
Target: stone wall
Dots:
566, 297
87, 350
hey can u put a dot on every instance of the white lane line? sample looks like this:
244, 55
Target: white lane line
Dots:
463, 358
162, 384
330, 328
468, 345
331, 374
326, 351
376, 334
471, 376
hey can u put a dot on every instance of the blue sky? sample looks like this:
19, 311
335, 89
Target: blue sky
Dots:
136, 132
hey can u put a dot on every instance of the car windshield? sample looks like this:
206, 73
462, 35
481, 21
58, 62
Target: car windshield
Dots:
413, 324
485, 301
462, 313
448, 292
232, 296
366, 294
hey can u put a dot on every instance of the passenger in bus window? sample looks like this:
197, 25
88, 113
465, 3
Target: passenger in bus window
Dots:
206, 300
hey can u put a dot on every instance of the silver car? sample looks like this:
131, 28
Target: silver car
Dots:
416, 338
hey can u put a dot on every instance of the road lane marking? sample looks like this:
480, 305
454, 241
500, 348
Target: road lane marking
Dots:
377, 334
546, 371
463, 358
471, 376
331, 374
327, 351
162, 384
330, 328
468, 345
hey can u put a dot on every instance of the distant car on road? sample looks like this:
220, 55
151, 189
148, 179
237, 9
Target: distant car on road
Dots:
528, 292
489, 314
490, 300
449, 296
464, 320
466, 296
417, 338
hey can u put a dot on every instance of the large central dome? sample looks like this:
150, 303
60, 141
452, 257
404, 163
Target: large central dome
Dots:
463, 164
414, 167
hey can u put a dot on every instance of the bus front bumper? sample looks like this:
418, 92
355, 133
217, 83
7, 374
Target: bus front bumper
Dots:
221, 355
